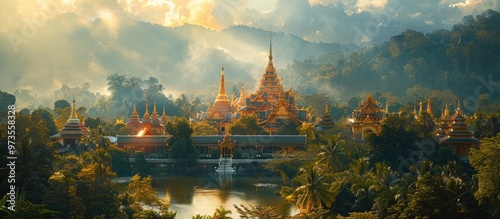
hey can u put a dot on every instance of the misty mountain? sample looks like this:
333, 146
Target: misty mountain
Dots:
73, 50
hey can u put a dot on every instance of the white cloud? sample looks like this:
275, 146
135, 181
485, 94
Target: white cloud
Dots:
416, 14
368, 5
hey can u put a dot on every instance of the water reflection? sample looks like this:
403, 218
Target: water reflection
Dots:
202, 195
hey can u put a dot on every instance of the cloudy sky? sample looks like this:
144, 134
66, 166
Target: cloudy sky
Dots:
355, 22
314, 20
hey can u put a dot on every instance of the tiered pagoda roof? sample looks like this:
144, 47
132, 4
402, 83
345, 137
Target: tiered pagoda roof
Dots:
459, 136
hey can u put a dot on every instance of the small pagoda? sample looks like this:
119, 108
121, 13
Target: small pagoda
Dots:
326, 122
459, 137
72, 131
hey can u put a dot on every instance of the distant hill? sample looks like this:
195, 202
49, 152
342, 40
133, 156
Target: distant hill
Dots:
414, 66
73, 50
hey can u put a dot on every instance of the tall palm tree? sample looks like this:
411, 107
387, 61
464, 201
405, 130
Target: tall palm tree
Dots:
314, 191
363, 185
332, 155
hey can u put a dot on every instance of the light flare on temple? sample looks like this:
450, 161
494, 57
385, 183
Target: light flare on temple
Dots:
142, 132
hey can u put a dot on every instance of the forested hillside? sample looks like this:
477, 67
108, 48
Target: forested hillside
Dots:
413, 66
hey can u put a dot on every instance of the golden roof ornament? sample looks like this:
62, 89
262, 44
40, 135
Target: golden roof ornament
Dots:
146, 114
429, 110
73, 110
134, 112
155, 113
459, 110
446, 110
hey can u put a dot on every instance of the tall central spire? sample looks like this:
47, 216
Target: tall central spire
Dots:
270, 66
221, 96
73, 110
271, 46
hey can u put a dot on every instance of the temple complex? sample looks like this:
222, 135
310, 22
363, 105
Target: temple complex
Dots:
271, 104
72, 131
367, 119
149, 124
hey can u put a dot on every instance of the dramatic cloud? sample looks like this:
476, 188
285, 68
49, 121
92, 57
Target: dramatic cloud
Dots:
47, 43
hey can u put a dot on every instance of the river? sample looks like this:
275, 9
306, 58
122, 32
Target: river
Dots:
190, 195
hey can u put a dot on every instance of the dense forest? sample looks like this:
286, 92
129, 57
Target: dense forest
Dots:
412, 66
402, 172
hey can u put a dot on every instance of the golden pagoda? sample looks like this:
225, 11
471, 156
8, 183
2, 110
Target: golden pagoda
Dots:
271, 104
459, 137
429, 110
445, 124
72, 131
326, 121
221, 111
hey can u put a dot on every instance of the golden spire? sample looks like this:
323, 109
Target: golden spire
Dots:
164, 115
429, 110
155, 113
221, 96
415, 110
73, 110
146, 114
420, 109
242, 91
446, 110
459, 110
270, 65
134, 112
327, 112
386, 106
271, 46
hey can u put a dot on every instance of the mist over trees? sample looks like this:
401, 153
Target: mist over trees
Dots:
412, 66
407, 69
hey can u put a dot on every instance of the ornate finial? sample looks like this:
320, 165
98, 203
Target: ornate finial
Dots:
415, 110
386, 106
242, 91
420, 109
222, 86
429, 110
155, 113
270, 45
163, 115
146, 114
270, 65
327, 112
73, 110
459, 110
446, 110
134, 112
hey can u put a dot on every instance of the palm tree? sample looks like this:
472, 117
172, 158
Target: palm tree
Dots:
385, 177
363, 185
33, 170
314, 191
332, 156
258, 212
221, 213
34, 157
